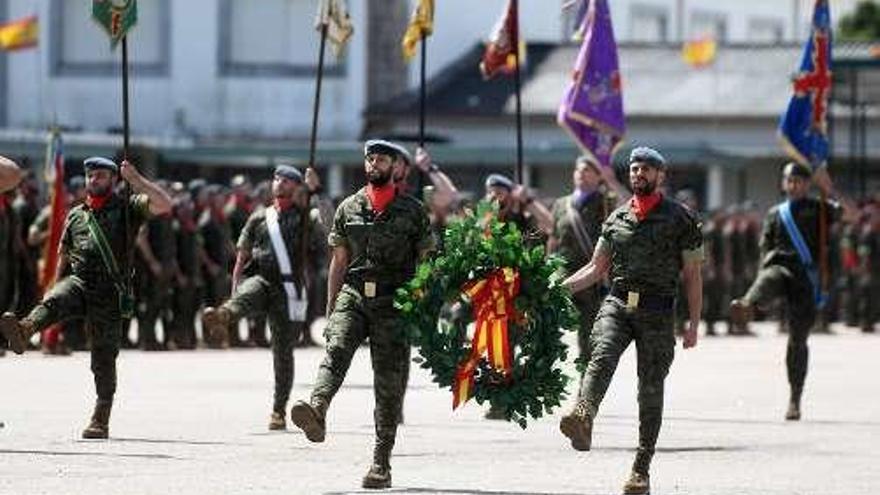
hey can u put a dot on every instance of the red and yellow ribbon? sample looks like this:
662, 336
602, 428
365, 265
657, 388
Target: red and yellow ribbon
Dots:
492, 299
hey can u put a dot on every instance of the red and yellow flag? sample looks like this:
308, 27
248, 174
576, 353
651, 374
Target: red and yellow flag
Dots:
420, 24
700, 52
20, 34
58, 210
504, 45
492, 299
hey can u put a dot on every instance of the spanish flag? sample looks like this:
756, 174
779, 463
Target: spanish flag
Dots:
420, 24
20, 34
700, 52
505, 49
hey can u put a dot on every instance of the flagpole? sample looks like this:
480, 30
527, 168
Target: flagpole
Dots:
317, 103
517, 83
422, 90
126, 189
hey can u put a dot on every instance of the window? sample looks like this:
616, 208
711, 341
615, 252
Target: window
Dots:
648, 23
709, 24
765, 31
79, 46
270, 38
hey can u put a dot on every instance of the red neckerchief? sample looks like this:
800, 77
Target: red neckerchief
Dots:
380, 197
642, 205
283, 204
217, 215
243, 202
95, 203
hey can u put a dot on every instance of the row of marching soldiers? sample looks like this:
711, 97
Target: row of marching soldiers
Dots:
182, 261
377, 236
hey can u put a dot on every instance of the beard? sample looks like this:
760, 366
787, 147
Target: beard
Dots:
99, 190
641, 187
377, 178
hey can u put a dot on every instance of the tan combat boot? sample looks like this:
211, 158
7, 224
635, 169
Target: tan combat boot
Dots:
741, 313
277, 421
215, 323
99, 426
310, 419
637, 484
16, 332
578, 426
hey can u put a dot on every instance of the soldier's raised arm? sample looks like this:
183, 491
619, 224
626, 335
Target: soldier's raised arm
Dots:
10, 174
160, 202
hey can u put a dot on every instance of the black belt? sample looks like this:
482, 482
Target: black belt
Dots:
651, 302
373, 288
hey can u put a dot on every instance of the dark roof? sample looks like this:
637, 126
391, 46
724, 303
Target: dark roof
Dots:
745, 81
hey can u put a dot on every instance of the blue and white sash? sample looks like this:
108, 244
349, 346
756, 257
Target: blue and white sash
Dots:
803, 251
297, 302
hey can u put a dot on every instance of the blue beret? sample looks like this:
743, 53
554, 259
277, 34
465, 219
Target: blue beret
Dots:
289, 172
498, 180
647, 155
97, 163
797, 170
77, 182
383, 147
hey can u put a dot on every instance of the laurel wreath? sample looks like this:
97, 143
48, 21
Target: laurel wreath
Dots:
477, 244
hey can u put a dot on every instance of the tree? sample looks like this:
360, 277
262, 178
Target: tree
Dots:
863, 23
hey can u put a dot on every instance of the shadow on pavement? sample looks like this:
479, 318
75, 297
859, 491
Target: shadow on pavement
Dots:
440, 491
164, 441
86, 454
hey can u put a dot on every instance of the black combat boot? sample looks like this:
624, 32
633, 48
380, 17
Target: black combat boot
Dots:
310, 418
578, 426
99, 426
277, 421
637, 484
379, 475
17, 333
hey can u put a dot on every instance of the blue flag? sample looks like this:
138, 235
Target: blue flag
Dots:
803, 128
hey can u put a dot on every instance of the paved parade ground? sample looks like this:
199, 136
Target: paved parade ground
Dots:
195, 422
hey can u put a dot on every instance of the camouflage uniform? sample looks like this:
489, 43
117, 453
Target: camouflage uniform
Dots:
154, 290
592, 211
8, 249
782, 275
869, 286
383, 252
713, 275
262, 289
646, 258
237, 213
185, 294
88, 289
27, 212
217, 241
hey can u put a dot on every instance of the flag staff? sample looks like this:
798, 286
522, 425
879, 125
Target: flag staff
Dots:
422, 90
518, 89
317, 104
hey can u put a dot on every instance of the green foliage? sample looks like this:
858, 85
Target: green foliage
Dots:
863, 23
477, 245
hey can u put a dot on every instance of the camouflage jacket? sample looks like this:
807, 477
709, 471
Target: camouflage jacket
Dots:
81, 249
592, 211
255, 240
647, 256
776, 245
384, 247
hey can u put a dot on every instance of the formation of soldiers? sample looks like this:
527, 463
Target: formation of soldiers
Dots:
638, 267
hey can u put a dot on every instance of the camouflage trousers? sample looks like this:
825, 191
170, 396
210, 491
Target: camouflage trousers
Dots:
713, 296
587, 303
154, 302
354, 319
615, 328
255, 296
96, 301
777, 281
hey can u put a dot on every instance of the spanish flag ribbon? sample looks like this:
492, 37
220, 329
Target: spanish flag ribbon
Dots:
492, 299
